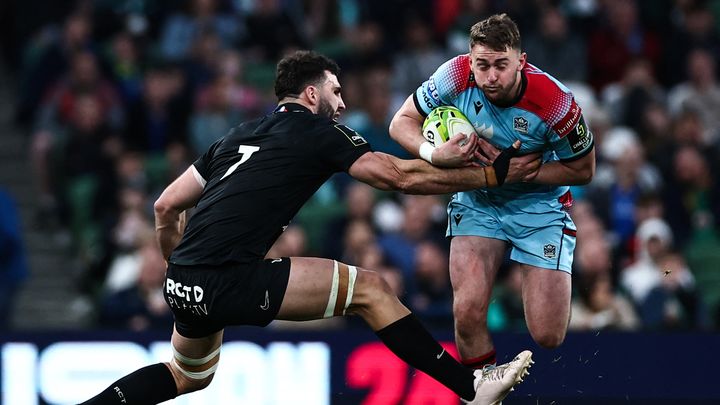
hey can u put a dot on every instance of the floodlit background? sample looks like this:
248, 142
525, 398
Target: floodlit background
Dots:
103, 103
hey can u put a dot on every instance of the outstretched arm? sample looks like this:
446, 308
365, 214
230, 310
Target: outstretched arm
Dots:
181, 194
416, 176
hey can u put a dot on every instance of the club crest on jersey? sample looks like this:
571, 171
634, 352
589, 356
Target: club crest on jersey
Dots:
549, 251
350, 134
521, 125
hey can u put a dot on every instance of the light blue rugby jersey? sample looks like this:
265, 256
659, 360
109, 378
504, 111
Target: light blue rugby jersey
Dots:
545, 118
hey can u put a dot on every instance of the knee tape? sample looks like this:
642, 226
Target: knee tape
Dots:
197, 369
341, 291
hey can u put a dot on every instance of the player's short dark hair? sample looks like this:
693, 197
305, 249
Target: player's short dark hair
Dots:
301, 69
497, 32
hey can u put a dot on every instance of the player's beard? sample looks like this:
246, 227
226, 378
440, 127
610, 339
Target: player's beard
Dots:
505, 94
326, 109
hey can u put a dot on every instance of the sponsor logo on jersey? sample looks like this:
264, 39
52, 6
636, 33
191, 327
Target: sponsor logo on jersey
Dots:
580, 137
521, 125
549, 251
351, 135
433, 91
427, 101
478, 106
458, 218
568, 122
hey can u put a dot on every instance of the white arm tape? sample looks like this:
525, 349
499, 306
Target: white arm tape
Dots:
426, 150
198, 176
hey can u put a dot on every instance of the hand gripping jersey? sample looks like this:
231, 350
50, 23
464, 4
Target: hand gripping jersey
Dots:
256, 179
545, 117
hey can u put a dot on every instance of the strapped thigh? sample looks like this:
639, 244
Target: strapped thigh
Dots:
197, 369
341, 291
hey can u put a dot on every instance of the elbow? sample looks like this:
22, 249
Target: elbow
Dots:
393, 129
586, 176
161, 207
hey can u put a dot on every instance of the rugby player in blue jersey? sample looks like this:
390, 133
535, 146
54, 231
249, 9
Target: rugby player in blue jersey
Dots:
506, 99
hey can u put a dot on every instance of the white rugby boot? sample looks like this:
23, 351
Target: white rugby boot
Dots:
493, 383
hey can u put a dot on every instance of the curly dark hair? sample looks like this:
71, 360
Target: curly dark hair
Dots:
497, 32
301, 69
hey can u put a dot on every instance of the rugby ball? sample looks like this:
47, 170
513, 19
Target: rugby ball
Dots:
443, 123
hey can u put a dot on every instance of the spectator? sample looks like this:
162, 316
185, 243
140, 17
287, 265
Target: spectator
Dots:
182, 30
620, 182
700, 93
417, 226
13, 262
58, 113
359, 205
141, 305
694, 29
419, 58
126, 67
677, 299
655, 240
627, 99
217, 116
271, 32
48, 58
156, 121
432, 297
554, 45
377, 111
621, 38
597, 306
691, 198
471, 12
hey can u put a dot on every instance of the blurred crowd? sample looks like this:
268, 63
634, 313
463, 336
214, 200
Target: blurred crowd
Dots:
119, 97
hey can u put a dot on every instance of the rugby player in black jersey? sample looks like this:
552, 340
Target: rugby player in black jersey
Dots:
245, 189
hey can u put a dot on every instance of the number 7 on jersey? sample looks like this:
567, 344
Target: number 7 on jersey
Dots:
246, 151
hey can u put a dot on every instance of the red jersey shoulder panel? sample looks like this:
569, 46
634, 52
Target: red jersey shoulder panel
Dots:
545, 98
459, 74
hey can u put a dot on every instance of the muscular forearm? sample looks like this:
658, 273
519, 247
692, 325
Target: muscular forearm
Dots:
169, 226
420, 177
558, 174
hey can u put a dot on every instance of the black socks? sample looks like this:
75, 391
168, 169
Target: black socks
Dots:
411, 342
147, 386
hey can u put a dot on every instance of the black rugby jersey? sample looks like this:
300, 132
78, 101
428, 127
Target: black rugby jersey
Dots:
258, 176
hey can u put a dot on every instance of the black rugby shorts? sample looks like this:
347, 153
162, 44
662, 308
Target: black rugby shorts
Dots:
206, 299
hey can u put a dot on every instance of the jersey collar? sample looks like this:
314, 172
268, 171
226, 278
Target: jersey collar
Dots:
291, 107
521, 93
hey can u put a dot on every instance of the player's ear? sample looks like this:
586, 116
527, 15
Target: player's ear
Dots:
523, 60
311, 92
